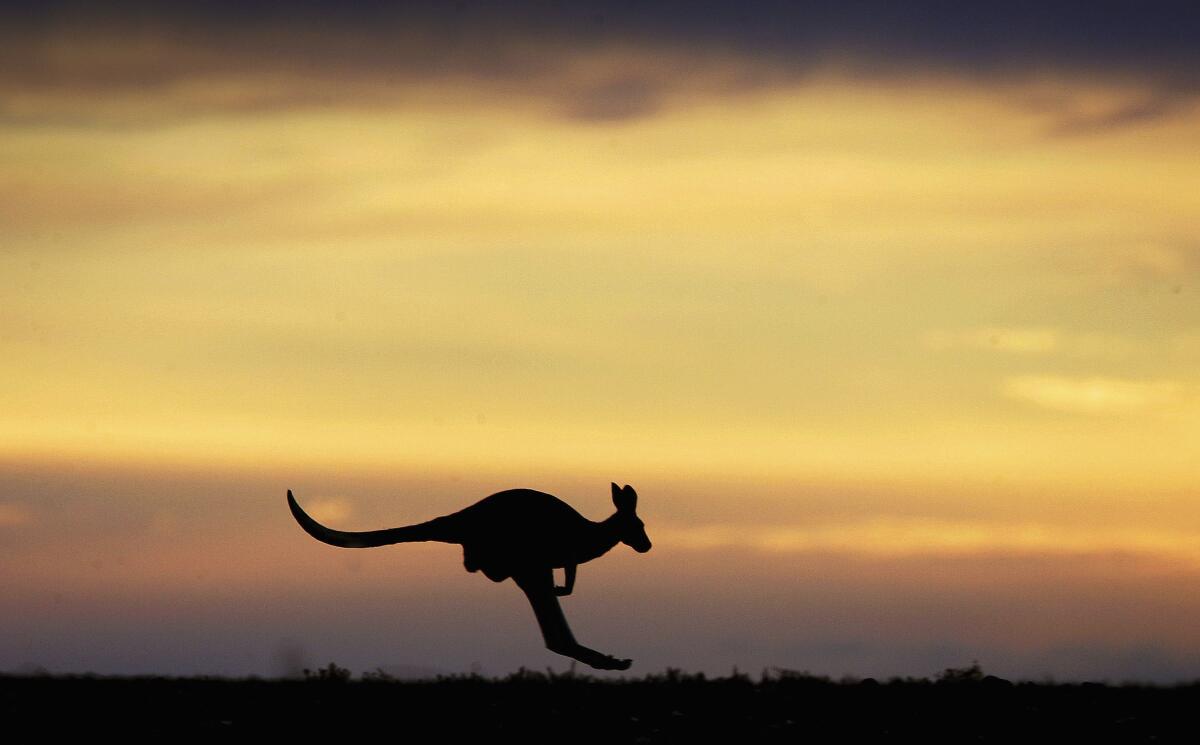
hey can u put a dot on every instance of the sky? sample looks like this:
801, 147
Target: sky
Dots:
888, 311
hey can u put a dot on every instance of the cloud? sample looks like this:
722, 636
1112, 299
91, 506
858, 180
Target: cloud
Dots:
14, 515
1148, 262
1015, 339
1084, 107
1093, 395
628, 98
331, 510
64, 62
966, 36
148, 78
1031, 340
1148, 108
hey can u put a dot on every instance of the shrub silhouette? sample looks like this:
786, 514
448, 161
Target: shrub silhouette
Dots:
332, 673
970, 674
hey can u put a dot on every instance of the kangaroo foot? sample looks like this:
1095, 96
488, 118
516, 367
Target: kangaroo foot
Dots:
608, 662
595, 659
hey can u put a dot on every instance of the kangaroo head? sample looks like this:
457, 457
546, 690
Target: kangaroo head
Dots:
631, 529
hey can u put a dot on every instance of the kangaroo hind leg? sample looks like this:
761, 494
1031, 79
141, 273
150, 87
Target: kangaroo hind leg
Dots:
538, 586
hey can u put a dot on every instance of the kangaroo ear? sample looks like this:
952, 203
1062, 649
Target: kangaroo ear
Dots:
625, 499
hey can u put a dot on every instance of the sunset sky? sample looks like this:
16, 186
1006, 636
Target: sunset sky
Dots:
890, 312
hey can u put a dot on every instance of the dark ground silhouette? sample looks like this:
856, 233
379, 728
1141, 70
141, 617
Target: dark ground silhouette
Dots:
522, 534
534, 707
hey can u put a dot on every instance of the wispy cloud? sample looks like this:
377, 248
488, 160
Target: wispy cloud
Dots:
1016, 339
1092, 395
1082, 110
1029, 341
332, 510
154, 66
13, 515
124, 80
1149, 261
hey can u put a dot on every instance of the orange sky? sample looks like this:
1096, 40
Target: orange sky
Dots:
911, 327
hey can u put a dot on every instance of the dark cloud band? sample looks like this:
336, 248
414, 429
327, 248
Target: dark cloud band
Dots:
316, 53
1144, 36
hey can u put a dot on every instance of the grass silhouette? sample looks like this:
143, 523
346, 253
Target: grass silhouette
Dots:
672, 706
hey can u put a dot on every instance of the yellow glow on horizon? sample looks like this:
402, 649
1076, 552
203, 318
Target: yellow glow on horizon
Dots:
898, 537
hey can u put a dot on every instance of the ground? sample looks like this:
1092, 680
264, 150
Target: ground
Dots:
673, 707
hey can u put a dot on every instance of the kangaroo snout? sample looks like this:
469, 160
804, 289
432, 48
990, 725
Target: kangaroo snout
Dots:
640, 543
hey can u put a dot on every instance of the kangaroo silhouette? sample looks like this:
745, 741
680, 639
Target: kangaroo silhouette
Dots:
522, 534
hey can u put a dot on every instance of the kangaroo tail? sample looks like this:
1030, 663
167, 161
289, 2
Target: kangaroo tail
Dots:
428, 531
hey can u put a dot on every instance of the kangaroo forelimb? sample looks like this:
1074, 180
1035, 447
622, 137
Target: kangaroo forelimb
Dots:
569, 581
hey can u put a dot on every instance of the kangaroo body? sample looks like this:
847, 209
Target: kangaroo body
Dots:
520, 534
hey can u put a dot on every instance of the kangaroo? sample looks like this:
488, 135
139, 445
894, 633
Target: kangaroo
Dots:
522, 534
